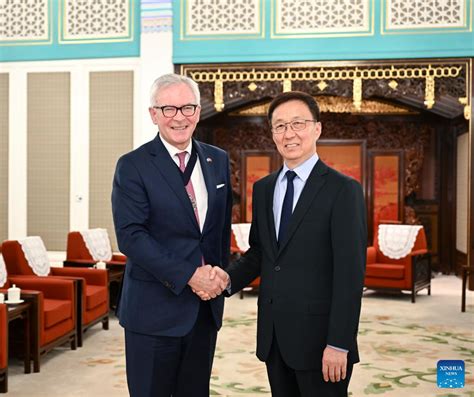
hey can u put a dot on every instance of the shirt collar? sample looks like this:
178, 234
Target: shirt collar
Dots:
303, 170
172, 150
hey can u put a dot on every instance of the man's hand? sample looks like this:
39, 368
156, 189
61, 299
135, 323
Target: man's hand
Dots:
202, 281
220, 274
216, 275
334, 364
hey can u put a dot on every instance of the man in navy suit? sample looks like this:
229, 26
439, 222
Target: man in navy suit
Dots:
172, 204
308, 245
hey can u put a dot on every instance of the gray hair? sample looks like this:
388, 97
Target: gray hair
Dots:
171, 79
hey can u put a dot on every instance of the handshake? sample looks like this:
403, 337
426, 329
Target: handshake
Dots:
208, 282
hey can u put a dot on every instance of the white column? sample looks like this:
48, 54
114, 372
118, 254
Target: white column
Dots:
17, 158
79, 197
156, 52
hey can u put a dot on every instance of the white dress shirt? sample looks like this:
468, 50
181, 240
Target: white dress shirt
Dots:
197, 178
302, 174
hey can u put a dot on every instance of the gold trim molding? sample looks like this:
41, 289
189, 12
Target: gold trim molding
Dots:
320, 75
334, 104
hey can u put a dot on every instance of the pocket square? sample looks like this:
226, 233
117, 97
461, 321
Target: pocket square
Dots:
220, 185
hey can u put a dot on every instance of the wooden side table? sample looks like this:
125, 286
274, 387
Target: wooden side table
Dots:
23, 311
466, 271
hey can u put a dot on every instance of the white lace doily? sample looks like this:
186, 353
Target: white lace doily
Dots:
241, 233
397, 241
98, 243
3, 272
36, 255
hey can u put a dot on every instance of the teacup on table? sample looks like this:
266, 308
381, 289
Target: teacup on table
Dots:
14, 294
100, 265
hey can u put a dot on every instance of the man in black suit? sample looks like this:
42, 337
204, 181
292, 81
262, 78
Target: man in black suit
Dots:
308, 245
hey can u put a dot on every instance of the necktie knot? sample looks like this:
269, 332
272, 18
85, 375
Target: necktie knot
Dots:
181, 157
290, 175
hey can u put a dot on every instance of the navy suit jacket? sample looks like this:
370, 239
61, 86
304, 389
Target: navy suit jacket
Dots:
158, 232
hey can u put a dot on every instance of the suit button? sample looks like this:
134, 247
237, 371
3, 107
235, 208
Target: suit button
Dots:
277, 268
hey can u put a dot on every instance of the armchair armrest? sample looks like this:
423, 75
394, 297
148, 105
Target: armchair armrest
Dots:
51, 288
371, 255
118, 258
79, 262
91, 276
90, 263
419, 252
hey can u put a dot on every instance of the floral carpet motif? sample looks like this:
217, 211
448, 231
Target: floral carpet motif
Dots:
399, 342
397, 358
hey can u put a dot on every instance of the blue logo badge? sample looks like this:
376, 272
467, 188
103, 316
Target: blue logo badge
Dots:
450, 374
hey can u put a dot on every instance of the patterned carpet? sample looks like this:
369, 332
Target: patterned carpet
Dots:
400, 344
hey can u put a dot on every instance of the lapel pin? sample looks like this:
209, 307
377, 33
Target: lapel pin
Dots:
209, 160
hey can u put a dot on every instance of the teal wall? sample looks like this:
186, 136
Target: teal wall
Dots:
56, 46
377, 42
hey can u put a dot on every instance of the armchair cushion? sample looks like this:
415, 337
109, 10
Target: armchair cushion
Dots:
55, 311
383, 270
95, 296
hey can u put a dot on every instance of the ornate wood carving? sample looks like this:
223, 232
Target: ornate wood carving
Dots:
442, 84
411, 137
425, 82
235, 136
251, 133
334, 104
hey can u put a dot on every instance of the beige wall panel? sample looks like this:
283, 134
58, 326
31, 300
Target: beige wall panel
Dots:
48, 129
461, 192
111, 135
4, 90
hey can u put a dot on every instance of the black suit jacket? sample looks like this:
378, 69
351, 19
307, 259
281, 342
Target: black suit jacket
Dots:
311, 286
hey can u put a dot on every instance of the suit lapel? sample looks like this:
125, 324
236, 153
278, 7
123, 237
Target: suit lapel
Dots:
207, 164
312, 187
170, 173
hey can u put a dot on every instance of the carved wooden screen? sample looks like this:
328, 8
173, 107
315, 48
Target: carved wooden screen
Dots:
385, 187
345, 155
255, 165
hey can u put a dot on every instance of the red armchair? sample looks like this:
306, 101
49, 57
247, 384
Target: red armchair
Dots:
53, 315
78, 255
412, 272
3, 349
92, 304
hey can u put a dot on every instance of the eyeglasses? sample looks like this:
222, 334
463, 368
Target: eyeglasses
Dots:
171, 111
296, 125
